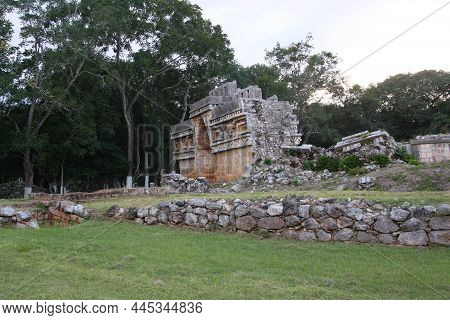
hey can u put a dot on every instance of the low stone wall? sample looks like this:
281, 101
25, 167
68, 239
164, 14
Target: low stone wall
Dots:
61, 212
304, 219
431, 149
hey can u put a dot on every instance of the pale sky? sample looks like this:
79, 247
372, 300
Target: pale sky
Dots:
351, 29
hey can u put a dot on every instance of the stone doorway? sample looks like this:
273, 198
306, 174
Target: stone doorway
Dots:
204, 158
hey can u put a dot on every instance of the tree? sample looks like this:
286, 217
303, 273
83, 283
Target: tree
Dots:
307, 74
264, 76
410, 104
149, 39
46, 69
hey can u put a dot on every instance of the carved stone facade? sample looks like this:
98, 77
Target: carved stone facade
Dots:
229, 130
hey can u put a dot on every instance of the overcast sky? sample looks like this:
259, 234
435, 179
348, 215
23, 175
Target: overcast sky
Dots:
349, 28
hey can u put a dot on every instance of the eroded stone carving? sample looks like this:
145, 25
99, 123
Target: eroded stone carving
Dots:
229, 130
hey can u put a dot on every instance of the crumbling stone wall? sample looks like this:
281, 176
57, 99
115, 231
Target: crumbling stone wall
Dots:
432, 148
273, 127
61, 211
229, 130
304, 219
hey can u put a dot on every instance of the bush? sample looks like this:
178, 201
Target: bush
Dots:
405, 156
357, 171
308, 165
295, 181
268, 162
350, 162
380, 159
329, 163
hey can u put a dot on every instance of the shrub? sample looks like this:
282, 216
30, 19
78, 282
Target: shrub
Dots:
357, 171
380, 159
405, 156
268, 162
329, 163
350, 162
308, 165
295, 181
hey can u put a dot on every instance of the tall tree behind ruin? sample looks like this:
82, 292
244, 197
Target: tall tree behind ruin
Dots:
306, 73
148, 39
46, 67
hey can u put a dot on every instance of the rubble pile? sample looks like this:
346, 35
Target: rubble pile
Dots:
178, 183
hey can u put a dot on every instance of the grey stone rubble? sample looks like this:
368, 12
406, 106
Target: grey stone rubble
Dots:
263, 177
23, 219
177, 183
303, 218
68, 207
20, 219
368, 143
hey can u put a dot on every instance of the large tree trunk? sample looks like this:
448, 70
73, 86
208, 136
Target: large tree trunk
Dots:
28, 173
130, 130
127, 109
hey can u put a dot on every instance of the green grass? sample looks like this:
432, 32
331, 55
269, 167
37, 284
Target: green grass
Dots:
392, 198
106, 260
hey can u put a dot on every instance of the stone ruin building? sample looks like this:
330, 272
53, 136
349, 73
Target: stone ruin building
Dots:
229, 130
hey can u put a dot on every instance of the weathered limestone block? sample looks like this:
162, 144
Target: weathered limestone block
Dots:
323, 236
303, 211
275, 210
385, 225
224, 220
386, 238
424, 212
192, 219
271, 223
440, 223
197, 202
362, 236
344, 235
293, 221
335, 210
344, 222
354, 213
247, 223
257, 212
241, 210
329, 225
306, 236
399, 214
318, 211
415, 238
310, 224
413, 224
440, 237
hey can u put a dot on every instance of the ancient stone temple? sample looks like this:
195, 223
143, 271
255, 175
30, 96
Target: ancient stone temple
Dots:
229, 130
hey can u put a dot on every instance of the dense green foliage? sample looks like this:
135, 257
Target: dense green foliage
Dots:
380, 159
90, 80
327, 163
350, 162
404, 156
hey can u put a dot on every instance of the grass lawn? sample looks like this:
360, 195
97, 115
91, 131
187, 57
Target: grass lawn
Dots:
393, 198
107, 260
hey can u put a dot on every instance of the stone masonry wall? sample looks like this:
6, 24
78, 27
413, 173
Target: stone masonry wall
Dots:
431, 149
304, 219
273, 125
